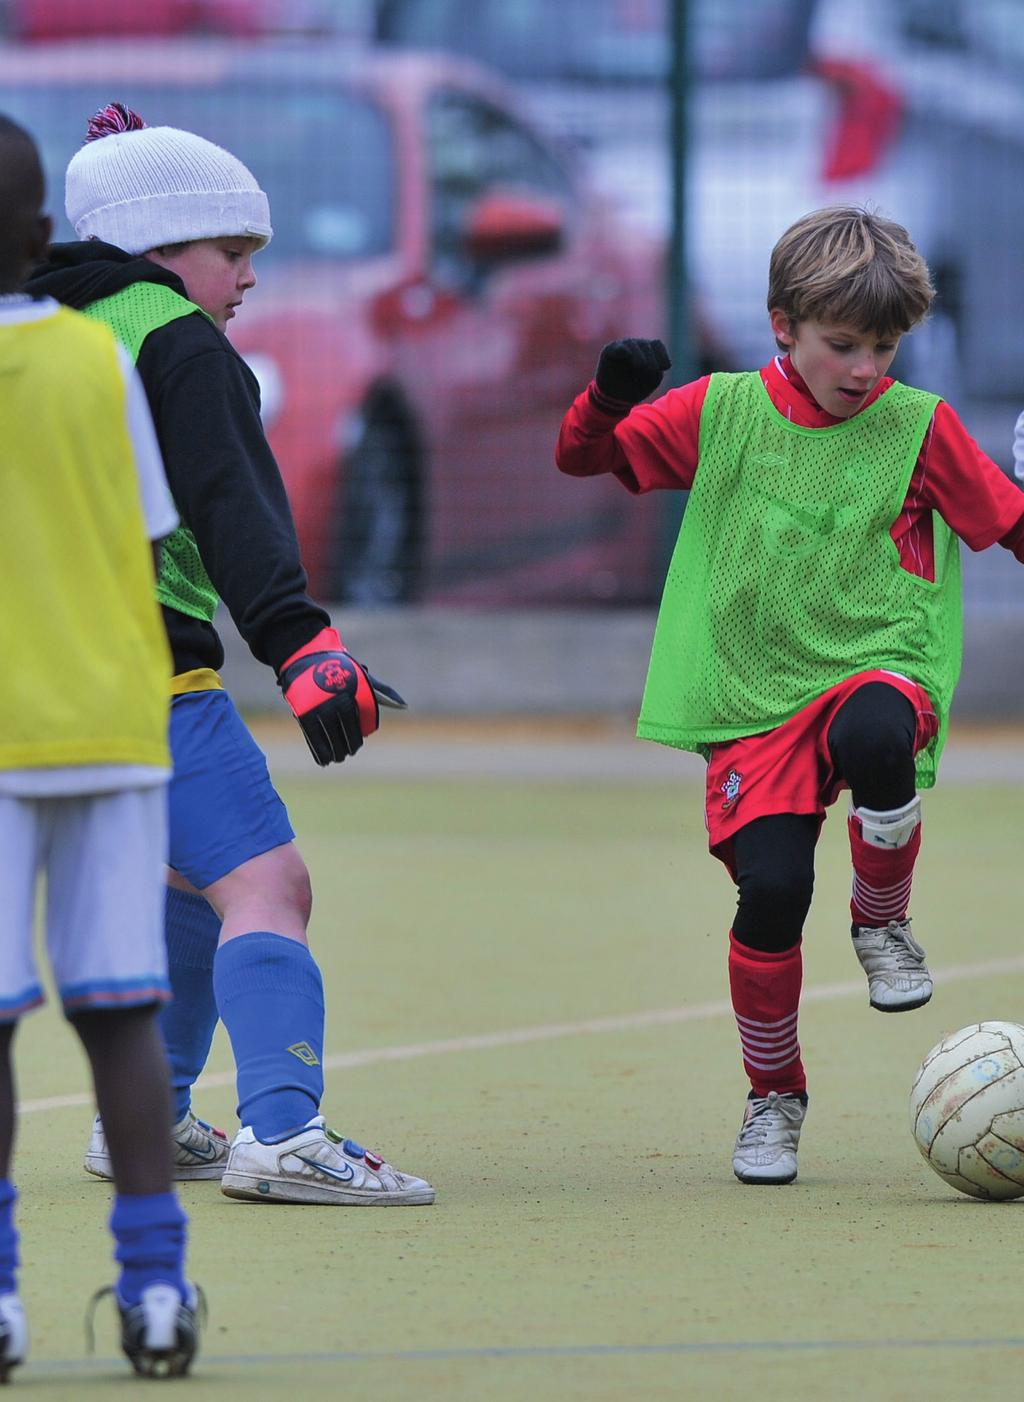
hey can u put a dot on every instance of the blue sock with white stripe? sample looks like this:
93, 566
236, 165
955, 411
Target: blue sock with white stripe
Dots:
271, 1000
8, 1238
188, 1022
150, 1233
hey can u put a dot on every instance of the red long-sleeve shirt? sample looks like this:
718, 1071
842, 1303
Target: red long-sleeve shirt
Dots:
656, 446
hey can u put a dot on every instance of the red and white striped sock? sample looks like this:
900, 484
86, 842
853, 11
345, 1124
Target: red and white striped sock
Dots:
882, 878
765, 998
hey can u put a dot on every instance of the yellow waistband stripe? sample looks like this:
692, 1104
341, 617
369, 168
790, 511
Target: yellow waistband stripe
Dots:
199, 679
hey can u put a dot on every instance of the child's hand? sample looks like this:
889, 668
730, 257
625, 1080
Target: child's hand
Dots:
334, 699
631, 370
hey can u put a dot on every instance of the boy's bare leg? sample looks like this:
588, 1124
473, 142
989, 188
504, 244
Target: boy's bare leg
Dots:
131, 1078
157, 1305
13, 1333
6, 1099
186, 1024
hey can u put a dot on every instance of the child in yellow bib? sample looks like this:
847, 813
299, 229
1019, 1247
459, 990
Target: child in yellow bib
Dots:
84, 759
809, 637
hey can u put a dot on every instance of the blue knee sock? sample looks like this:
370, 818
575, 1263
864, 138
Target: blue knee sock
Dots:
188, 1021
8, 1238
150, 1233
271, 1000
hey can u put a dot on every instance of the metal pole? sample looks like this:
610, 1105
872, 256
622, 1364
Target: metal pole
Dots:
679, 328
680, 335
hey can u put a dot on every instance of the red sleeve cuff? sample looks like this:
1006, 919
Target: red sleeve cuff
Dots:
615, 408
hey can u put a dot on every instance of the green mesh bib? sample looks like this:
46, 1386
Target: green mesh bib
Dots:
785, 579
132, 314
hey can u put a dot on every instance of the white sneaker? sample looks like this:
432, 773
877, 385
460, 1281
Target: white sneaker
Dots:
898, 977
769, 1138
200, 1151
13, 1334
317, 1165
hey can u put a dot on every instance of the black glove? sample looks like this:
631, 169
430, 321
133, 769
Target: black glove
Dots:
333, 697
629, 371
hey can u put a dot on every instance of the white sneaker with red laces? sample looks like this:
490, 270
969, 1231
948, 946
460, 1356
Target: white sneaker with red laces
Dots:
318, 1166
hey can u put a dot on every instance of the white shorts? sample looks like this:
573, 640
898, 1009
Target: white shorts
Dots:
102, 856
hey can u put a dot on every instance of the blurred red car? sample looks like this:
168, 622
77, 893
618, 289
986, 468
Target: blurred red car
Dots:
437, 290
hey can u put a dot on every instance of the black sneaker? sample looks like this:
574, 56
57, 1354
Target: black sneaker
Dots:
160, 1334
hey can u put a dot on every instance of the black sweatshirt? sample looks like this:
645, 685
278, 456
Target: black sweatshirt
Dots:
224, 479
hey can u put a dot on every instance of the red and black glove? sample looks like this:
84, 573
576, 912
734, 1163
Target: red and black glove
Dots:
335, 700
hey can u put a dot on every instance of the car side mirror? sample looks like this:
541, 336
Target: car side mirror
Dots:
501, 227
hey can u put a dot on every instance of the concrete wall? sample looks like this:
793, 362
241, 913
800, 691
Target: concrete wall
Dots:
551, 662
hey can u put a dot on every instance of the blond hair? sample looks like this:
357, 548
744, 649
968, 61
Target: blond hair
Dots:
849, 266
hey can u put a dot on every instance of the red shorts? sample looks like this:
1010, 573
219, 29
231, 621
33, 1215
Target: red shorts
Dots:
789, 769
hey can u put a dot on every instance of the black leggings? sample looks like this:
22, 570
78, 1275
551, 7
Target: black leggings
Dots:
871, 741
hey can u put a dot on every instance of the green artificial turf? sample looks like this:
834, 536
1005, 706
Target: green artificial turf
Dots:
536, 976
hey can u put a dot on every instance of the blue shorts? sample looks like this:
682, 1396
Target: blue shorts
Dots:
222, 807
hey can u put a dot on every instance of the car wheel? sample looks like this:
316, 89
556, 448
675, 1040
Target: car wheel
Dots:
377, 554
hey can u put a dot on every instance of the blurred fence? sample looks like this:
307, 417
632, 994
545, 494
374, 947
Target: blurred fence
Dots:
471, 196
592, 662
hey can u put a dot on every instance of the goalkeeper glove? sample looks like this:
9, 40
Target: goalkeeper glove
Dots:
335, 700
629, 371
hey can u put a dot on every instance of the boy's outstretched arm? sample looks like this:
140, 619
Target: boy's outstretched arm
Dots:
627, 372
230, 494
609, 429
972, 494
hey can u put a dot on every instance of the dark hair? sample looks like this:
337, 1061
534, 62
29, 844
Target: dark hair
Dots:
23, 229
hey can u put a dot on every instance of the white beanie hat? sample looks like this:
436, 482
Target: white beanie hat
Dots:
142, 187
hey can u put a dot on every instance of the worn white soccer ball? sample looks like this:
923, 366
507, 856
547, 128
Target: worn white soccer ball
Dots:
967, 1109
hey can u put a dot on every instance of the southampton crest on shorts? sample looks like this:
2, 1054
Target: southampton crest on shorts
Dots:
731, 787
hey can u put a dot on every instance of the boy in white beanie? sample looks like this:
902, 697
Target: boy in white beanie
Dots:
82, 785
169, 225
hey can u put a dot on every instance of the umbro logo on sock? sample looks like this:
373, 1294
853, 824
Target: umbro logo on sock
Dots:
305, 1053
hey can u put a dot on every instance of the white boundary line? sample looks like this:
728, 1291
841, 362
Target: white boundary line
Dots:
521, 1036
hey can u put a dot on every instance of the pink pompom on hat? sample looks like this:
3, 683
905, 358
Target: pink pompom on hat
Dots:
142, 187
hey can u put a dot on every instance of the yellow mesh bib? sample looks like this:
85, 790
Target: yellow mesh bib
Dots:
89, 663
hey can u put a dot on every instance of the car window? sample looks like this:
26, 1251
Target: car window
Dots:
932, 22
994, 30
324, 156
989, 30
474, 148
607, 40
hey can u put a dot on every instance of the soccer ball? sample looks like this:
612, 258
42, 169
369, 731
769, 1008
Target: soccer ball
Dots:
967, 1109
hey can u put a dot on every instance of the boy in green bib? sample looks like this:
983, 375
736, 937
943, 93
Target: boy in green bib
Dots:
809, 636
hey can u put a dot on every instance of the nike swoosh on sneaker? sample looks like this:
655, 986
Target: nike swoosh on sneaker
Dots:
210, 1152
345, 1177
